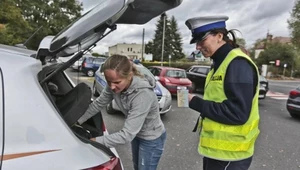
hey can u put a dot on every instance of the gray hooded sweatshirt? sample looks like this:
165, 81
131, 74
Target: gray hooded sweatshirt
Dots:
139, 104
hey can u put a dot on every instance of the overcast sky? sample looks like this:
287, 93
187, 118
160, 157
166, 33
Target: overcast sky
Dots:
252, 17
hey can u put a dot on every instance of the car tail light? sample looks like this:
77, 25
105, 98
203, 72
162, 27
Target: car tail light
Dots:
103, 127
294, 93
113, 164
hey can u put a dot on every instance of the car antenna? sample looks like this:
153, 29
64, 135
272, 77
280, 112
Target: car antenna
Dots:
24, 44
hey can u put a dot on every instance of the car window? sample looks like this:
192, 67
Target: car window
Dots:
151, 69
155, 71
202, 70
176, 73
100, 68
98, 60
194, 69
89, 60
144, 71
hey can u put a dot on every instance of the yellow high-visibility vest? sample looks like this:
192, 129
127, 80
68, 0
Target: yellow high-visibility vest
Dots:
227, 142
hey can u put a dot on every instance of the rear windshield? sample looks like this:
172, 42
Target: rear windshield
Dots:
176, 73
89, 59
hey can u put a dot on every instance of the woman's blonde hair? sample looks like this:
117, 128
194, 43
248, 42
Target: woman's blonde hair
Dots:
121, 64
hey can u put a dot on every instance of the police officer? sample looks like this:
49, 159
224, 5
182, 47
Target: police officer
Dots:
229, 114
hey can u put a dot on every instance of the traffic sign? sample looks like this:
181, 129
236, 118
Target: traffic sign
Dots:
277, 63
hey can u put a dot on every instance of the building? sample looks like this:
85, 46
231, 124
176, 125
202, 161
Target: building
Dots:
133, 51
197, 56
261, 46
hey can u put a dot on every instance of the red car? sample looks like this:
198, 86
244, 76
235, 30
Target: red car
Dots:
171, 78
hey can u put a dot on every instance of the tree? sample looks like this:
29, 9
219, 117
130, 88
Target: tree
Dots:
278, 51
95, 54
149, 47
241, 42
176, 40
13, 27
155, 46
52, 15
172, 41
294, 24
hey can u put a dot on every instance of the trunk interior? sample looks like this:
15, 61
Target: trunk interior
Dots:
71, 103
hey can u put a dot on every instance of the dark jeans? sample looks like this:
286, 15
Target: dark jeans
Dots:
211, 164
146, 153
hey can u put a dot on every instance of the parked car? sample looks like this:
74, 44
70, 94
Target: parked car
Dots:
197, 74
77, 65
91, 64
163, 95
263, 87
171, 78
293, 103
40, 105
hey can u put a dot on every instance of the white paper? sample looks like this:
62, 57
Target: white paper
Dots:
182, 97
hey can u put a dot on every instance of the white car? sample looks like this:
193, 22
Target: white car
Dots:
77, 65
164, 97
40, 105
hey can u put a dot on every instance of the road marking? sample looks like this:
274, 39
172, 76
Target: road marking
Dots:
284, 85
277, 95
280, 98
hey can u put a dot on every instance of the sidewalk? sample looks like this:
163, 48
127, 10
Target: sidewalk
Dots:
276, 80
284, 79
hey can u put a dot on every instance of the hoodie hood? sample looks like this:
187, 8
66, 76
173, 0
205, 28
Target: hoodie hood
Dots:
141, 82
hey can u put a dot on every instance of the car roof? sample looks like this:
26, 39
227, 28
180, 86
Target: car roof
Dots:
167, 68
16, 61
205, 66
90, 56
16, 50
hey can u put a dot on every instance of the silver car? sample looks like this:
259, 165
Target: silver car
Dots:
163, 95
40, 105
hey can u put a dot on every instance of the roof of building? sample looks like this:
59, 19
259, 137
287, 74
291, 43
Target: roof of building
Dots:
279, 39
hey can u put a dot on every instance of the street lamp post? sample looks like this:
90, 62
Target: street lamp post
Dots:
163, 39
143, 44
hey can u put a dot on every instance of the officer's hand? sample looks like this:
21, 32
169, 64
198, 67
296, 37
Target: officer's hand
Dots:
191, 96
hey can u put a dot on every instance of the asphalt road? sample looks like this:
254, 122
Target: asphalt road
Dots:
277, 147
283, 86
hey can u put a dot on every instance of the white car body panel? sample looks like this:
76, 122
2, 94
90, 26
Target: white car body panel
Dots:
32, 124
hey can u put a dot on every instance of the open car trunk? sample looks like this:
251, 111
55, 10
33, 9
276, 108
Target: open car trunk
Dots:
71, 103
76, 39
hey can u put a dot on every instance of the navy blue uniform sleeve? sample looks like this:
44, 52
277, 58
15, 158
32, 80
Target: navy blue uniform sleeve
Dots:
239, 85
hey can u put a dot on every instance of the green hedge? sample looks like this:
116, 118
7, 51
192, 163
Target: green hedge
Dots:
182, 65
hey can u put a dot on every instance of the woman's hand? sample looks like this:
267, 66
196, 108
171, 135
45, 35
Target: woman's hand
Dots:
191, 96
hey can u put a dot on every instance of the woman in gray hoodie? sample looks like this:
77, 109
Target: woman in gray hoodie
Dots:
134, 95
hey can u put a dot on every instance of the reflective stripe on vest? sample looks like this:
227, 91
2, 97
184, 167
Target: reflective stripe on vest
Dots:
227, 142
